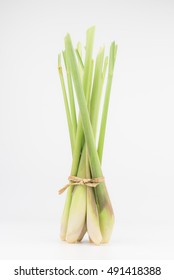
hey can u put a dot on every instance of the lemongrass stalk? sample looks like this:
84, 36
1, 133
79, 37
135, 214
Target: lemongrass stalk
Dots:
72, 139
73, 228
70, 126
79, 49
98, 82
79, 135
89, 90
112, 58
105, 212
79, 59
76, 151
93, 223
104, 70
74, 169
99, 78
87, 81
95, 163
82, 232
71, 94
78, 206
92, 219
88, 58
96, 91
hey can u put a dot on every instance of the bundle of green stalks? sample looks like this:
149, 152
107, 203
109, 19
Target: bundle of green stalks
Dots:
87, 206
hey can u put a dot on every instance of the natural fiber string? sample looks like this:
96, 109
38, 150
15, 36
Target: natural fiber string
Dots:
92, 182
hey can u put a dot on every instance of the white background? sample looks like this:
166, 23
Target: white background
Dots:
35, 156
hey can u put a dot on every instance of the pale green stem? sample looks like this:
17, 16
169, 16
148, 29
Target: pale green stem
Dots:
79, 135
80, 60
71, 94
106, 215
89, 136
88, 58
96, 91
112, 57
79, 49
104, 70
70, 126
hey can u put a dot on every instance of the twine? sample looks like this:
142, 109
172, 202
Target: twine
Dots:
91, 182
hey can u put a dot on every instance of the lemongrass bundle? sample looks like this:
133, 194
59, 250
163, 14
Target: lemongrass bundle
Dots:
87, 206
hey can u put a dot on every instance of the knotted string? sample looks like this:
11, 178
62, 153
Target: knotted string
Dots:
91, 182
